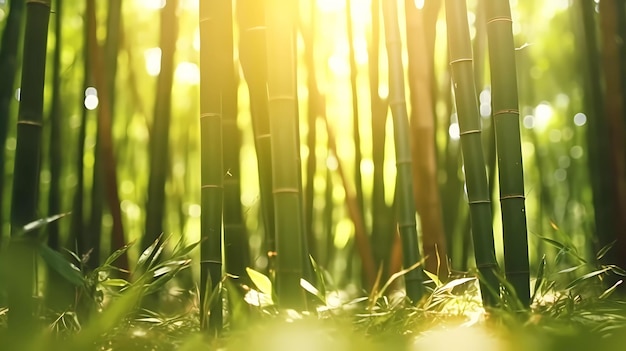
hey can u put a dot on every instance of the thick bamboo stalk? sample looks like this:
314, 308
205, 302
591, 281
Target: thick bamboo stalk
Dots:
285, 147
236, 250
469, 124
212, 165
8, 71
508, 146
25, 197
405, 202
614, 114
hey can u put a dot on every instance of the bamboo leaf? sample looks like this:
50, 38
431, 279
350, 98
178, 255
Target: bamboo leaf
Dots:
587, 276
313, 290
456, 282
540, 276
610, 290
602, 252
40, 223
434, 278
62, 266
261, 281
119, 252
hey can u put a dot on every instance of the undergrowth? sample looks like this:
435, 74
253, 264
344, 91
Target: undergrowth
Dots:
152, 308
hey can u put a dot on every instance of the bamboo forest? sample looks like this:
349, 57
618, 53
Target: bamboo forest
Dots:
312, 174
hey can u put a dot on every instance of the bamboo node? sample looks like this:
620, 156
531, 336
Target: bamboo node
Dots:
513, 196
285, 190
211, 186
506, 111
479, 202
471, 131
403, 161
30, 123
462, 59
210, 114
500, 19
212, 261
263, 136
281, 97
486, 265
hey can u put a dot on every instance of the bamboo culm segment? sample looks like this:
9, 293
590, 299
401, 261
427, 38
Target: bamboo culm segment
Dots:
212, 168
405, 203
252, 52
508, 146
26, 170
285, 150
471, 147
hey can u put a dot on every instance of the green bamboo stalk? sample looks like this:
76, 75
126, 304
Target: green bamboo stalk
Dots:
508, 147
406, 205
597, 129
78, 234
285, 149
252, 48
104, 145
381, 229
212, 167
614, 115
26, 169
111, 47
308, 35
59, 293
8, 70
55, 142
160, 135
356, 135
235, 236
471, 147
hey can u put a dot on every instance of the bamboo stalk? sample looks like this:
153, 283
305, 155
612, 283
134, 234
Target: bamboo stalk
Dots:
8, 70
160, 133
105, 137
469, 124
426, 188
253, 57
285, 149
397, 103
25, 195
212, 165
508, 147
235, 236
382, 230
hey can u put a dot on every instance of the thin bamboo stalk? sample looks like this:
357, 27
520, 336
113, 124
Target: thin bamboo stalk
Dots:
105, 137
252, 52
160, 133
424, 153
382, 230
356, 135
397, 103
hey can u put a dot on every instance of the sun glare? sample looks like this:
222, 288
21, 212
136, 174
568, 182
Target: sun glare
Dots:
152, 4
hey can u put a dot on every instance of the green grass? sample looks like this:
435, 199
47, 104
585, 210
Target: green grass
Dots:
571, 310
